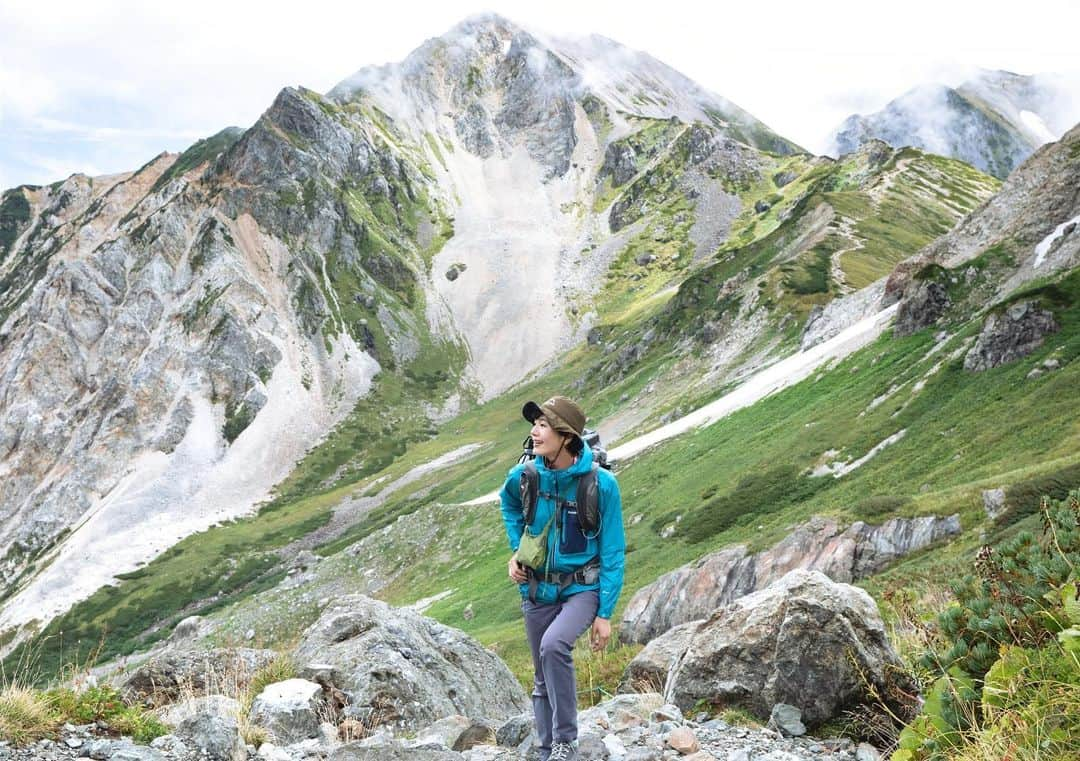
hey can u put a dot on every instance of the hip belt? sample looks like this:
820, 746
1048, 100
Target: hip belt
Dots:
587, 574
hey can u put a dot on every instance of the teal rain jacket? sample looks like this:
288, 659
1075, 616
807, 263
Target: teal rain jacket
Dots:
569, 548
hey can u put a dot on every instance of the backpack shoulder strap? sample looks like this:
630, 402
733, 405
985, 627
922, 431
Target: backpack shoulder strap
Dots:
588, 500
530, 488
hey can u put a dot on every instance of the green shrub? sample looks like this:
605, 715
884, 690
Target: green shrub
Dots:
879, 505
1010, 653
1022, 498
760, 493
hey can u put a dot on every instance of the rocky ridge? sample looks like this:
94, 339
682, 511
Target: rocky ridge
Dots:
994, 121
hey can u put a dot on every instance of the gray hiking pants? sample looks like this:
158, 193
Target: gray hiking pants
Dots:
552, 631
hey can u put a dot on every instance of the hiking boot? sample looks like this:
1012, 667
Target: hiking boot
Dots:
563, 752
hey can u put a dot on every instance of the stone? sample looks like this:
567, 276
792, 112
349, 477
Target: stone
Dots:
804, 640
289, 710
457, 733
186, 629
270, 752
993, 502
683, 740
787, 719
217, 735
1010, 335
614, 745
695, 590
514, 730
923, 303
406, 671
591, 745
328, 734
620, 163
649, 669
866, 752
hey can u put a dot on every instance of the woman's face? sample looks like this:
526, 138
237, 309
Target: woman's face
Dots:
545, 439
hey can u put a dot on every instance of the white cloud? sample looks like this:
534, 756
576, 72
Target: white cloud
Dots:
164, 72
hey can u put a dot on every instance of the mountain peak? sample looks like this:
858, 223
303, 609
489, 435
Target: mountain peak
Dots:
490, 63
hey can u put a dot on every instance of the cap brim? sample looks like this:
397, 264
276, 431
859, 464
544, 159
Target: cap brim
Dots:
531, 411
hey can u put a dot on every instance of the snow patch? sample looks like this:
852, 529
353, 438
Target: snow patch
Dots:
1043, 247
838, 469
784, 373
426, 602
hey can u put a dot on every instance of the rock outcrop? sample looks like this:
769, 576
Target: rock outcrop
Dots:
403, 670
1009, 335
805, 641
922, 305
176, 672
695, 590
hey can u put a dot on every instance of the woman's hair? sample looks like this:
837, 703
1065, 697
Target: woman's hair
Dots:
575, 445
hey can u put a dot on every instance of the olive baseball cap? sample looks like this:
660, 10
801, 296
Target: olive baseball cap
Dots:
563, 414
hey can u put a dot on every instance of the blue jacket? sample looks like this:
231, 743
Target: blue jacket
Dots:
570, 549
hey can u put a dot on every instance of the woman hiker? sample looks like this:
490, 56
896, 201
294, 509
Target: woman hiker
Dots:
568, 561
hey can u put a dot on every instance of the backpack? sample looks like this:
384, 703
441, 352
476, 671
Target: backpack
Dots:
587, 499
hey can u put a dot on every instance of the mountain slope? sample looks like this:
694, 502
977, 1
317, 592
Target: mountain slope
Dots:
993, 121
286, 285
482, 218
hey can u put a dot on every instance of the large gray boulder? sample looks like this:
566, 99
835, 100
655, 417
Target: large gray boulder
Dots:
805, 640
1009, 335
216, 734
405, 670
695, 590
289, 710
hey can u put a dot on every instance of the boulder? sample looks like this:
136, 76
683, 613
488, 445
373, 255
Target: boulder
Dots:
405, 670
1009, 335
805, 640
695, 590
788, 719
620, 163
993, 502
514, 730
683, 740
216, 734
186, 629
649, 669
162, 679
457, 733
923, 303
289, 710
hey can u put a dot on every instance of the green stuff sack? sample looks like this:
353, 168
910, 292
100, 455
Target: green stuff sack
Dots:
532, 550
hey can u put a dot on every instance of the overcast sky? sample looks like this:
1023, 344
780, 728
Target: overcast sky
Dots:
101, 86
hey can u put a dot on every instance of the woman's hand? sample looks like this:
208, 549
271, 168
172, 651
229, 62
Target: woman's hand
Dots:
516, 570
601, 633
